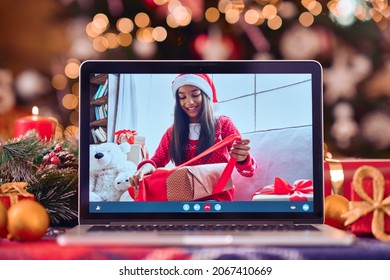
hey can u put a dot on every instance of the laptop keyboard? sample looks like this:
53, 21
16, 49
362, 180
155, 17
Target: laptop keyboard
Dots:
273, 227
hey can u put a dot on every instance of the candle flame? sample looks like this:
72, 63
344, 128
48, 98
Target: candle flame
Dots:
35, 111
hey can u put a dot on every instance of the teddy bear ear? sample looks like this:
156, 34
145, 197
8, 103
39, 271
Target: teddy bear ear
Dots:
125, 147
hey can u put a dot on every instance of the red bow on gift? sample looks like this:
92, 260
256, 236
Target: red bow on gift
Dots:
125, 135
297, 191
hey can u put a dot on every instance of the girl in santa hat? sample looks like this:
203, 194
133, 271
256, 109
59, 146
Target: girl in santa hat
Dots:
195, 129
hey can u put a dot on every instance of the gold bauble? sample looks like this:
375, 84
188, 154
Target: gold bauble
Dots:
3, 220
335, 206
27, 221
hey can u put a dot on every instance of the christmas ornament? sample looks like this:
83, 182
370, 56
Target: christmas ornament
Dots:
3, 220
335, 205
27, 221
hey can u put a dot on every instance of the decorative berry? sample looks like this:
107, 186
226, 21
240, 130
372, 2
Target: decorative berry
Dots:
46, 158
54, 160
58, 148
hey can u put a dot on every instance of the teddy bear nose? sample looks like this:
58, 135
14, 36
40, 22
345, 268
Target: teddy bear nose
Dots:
99, 155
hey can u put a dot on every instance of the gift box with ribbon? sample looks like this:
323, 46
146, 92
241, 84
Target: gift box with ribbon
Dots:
338, 174
281, 190
11, 193
369, 210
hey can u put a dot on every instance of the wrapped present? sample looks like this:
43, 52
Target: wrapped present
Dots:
338, 174
125, 135
11, 193
281, 190
369, 210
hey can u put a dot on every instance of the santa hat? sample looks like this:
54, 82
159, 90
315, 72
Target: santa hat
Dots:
202, 81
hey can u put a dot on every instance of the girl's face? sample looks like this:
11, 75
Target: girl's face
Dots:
190, 98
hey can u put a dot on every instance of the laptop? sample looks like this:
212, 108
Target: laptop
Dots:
275, 104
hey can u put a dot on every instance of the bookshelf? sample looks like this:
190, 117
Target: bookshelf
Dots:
99, 92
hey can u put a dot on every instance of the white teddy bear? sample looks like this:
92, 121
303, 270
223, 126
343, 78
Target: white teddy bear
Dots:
109, 171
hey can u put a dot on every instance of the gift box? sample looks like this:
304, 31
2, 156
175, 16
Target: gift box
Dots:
11, 193
369, 208
338, 174
281, 190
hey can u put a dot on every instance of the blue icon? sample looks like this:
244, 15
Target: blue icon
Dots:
196, 207
186, 207
217, 207
305, 207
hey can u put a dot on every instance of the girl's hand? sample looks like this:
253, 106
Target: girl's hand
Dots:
240, 149
138, 176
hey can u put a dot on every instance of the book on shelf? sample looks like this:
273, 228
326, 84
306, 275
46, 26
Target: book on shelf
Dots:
99, 134
101, 91
101, 112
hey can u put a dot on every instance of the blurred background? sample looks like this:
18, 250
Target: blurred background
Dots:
43, 43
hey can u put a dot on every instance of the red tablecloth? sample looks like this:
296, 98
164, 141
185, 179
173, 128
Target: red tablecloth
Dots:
48, 249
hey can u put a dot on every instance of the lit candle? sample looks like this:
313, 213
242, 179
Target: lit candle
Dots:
43, 126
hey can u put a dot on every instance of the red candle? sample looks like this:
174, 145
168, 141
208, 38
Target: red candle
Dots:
43, 126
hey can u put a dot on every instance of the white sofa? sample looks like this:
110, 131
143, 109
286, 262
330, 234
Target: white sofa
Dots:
285, 153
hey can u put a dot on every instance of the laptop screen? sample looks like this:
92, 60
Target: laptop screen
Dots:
127, 120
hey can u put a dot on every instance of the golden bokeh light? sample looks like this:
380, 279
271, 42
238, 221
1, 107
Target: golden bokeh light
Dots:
252, 16
182, 15
112, 40
275, 22
159, 34
232, 16
145, 35
70, 101
72, 70
171, 21
315, 8
306, 19
124, 25
100, 44
91, 32
100, 23
224, 5
142, 20
59, 81
269, 12
125, 39
212, 14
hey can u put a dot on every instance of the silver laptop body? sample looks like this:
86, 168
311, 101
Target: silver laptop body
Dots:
276, 104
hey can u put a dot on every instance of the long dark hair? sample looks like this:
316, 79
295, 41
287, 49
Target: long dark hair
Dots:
180, 130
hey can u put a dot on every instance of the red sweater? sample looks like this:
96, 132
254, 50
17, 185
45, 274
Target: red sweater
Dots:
224, 128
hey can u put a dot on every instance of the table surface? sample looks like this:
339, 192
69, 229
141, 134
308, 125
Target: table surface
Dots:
366, 248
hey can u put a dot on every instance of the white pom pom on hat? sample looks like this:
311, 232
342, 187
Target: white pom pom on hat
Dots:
202, 81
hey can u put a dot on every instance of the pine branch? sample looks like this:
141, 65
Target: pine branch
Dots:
56, 190
17, 157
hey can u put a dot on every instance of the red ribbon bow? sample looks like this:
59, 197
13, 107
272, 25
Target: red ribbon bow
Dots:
127, 134
297, 191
